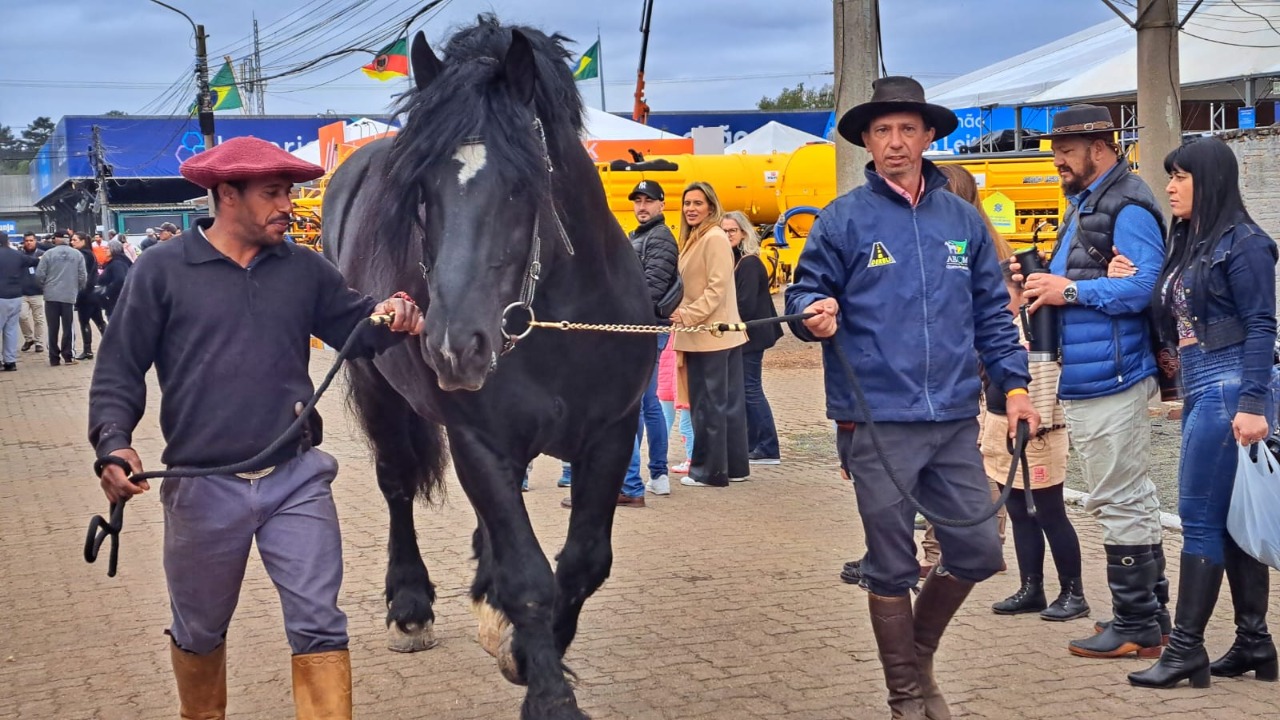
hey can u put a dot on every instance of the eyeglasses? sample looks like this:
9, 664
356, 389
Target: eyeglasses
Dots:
733, 231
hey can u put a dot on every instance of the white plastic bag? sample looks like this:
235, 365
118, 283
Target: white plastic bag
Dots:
1254, 517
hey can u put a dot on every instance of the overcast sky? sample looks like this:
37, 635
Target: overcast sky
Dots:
84, 57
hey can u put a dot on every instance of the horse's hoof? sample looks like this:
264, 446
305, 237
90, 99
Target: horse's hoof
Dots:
491, 624
414, 638
507, 657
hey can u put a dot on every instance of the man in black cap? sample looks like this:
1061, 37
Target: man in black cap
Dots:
1108, 367
904, 276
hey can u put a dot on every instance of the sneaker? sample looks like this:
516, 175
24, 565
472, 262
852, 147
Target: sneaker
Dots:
85, 356
758, 458
681, 469
660, 485
11, 367
524, 485
28, 345
690, 482
564, 481
741, 479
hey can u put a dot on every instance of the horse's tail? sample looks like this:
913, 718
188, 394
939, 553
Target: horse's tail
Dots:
410, 452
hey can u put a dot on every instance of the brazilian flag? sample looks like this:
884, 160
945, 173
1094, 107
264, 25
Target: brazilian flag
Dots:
588, 64
222, 88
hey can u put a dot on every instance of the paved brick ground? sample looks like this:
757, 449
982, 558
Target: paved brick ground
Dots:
722, 604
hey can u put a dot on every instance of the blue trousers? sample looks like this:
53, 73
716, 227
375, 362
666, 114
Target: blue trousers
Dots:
10, 310
1207, 472
211, 522
653, 420
940, 465
762, 434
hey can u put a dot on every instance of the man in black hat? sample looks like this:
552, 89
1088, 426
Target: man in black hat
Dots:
904, 276
1108, 367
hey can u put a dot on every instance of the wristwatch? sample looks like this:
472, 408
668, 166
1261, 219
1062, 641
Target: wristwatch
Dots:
1071, 294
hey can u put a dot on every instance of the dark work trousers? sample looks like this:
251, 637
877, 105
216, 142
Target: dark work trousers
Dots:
719, 413
88, 310
59, 317
762, 434
211, 522
940, 465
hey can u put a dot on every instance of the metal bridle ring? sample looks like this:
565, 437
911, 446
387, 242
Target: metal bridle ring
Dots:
502, 324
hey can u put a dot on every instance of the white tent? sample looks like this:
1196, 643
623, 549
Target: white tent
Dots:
354, 130
771, 137
1221, 46
600, 125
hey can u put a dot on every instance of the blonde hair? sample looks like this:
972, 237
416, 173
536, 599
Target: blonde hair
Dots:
961, 182
750, 244
713, 218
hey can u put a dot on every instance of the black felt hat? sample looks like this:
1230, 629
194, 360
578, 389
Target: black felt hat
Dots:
896, 94
1082, 120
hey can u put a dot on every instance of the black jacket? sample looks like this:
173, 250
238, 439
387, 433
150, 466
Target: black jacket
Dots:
13, 268
112, 279
30, 285
751, 281
659, 254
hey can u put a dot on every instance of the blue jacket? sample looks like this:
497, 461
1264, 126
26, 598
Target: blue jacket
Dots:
1106, 338
919, 290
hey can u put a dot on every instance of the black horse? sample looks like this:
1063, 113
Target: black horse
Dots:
487, 208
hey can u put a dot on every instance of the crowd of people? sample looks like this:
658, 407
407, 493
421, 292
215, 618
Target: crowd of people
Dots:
50, 285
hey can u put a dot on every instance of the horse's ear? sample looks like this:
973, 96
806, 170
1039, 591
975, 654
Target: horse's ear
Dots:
520, 67
426, 66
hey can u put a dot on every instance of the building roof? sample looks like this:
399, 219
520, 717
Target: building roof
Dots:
1223, 43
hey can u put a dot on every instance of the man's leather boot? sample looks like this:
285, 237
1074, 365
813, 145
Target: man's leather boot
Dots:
891, 622
1161, 591
1185, 658
202, 683
1253, 649
1131, 576
940, 596
322, 685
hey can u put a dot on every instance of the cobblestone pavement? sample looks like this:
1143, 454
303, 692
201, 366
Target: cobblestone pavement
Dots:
723, 603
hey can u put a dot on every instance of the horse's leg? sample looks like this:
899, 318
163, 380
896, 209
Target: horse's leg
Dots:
522, 584
584, 563
408, 458
492, 623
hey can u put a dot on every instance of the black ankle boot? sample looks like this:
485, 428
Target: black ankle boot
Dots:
1029, 598
1131, 573
1070, 603
1253, 649
1185, 658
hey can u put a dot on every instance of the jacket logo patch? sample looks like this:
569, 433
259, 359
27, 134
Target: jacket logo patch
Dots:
880, 256
958, 254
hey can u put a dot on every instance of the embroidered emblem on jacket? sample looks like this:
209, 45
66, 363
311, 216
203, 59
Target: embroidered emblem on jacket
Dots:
958, 254
880, 256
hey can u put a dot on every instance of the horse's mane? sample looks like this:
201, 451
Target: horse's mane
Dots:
468, 101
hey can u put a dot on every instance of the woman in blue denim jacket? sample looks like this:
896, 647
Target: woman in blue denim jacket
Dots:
1216, 299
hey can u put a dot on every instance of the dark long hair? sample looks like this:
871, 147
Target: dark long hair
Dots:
1216, 205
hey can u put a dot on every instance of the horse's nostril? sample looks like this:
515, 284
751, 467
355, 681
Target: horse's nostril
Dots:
478, 347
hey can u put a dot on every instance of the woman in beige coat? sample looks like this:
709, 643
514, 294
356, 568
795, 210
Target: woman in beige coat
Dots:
711, 366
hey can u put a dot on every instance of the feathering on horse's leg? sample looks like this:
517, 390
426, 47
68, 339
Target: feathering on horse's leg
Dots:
408, 461
587, 557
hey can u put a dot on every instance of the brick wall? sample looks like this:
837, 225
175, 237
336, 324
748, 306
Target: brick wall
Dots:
1258, 152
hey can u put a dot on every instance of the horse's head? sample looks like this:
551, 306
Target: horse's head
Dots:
474, 161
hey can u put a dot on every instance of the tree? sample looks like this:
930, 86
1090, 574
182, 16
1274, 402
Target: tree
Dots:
13, 157
37, 134
117, 113
800, 98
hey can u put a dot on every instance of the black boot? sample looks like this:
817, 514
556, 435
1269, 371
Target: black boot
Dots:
940, 596
1070, 603
893, 626
1131, 573
1185, 658
1253, 649
1161, 590
1029, 598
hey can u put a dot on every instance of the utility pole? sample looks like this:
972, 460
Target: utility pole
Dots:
1159, 91
857, 54
203, 102
101, 171
259, 87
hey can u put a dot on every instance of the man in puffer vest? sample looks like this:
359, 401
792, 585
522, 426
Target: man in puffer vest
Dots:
1109, 369
902, 276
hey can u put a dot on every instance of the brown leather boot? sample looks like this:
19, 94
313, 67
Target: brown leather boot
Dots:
892, 625
202, 683
940, 597
322, 685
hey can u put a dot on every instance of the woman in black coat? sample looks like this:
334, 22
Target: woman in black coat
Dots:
751, 280
113, 274
88, 309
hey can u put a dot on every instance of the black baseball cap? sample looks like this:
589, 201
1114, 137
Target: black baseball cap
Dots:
649, 189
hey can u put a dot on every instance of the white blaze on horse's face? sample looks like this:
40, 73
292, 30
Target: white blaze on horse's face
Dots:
471, 156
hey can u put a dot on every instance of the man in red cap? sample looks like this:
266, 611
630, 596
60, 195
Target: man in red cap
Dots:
224, 312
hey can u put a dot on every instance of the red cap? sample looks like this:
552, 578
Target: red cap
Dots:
246, 158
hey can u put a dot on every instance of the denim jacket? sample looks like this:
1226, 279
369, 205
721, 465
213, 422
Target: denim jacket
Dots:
1232, 300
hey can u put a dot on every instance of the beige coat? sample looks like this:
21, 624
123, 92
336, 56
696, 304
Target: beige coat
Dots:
706, 266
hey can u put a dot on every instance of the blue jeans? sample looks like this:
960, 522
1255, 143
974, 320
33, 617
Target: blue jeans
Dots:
762, 434
652, 418
10, 310
1207, 473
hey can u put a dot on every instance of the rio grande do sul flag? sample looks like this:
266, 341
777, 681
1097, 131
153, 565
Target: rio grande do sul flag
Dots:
392, 62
